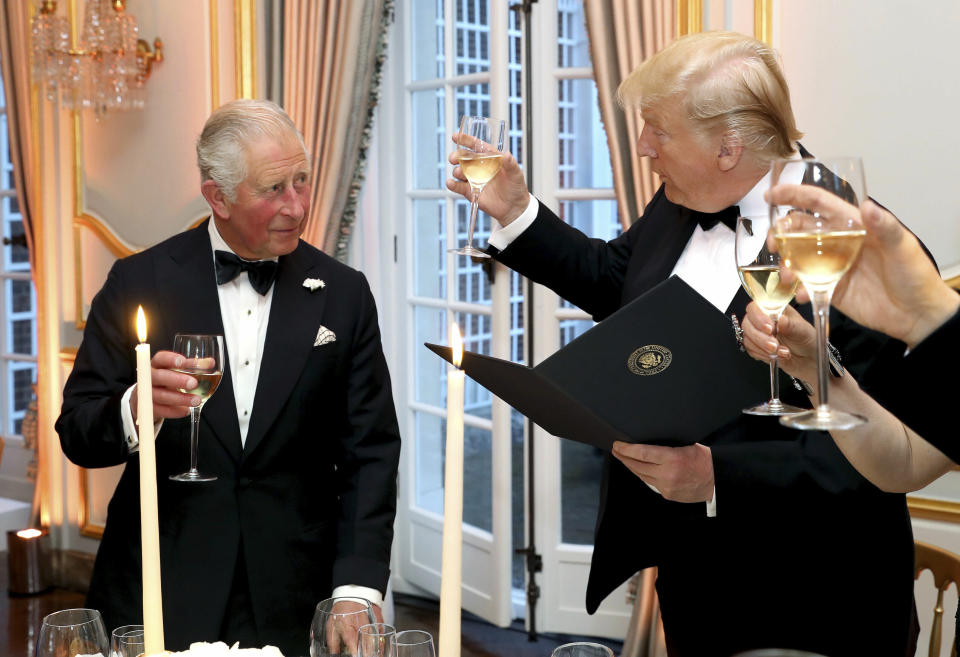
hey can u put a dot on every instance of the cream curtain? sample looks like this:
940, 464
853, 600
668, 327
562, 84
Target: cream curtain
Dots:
15, 66
333, 54
622, 34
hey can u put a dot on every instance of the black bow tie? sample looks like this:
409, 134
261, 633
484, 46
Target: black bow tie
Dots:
727, 217
260, 272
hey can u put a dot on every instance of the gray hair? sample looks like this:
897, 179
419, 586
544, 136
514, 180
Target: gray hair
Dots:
221, 148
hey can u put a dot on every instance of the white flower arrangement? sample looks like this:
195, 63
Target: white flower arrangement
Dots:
313, 283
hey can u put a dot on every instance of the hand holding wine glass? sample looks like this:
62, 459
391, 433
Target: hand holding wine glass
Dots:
203, 361
480, 146
819, 248
759, 270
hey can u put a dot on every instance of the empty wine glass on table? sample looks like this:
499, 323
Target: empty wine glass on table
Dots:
415, 643
480, 146
377, 640
819, 250
203, 360
127, 641
759, 270
335, 625
72, 632
582, 649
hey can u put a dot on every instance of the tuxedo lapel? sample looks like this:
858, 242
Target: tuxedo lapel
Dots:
189, 289
295, 314
659, 246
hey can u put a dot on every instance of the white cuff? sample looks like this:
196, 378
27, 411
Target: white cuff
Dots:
351, 591
501, 236
130, 434
712, 504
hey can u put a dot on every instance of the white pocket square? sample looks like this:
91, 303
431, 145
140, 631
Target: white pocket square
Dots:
324, 336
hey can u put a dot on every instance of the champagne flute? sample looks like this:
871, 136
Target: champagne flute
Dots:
759, 270
819, 249
203, 361
377, 640
72, 632
334, 632
582, 649
415, 643
480, 143
127, 641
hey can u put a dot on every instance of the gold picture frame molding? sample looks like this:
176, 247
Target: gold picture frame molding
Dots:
689, 15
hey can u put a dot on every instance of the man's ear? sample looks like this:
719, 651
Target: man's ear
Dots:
731, 150
215, 198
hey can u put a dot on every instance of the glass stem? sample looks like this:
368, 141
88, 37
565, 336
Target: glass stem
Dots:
821, 317
474, 207
775, 403
194, 431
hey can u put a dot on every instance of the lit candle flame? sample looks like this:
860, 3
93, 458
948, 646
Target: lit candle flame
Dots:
29, 533
141, 325
456, 344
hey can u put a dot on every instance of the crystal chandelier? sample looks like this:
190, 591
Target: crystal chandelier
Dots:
107, 70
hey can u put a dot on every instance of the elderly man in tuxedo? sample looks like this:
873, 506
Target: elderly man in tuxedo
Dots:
302, 433
763, 536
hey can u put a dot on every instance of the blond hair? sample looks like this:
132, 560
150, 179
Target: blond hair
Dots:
222, 146
726, 83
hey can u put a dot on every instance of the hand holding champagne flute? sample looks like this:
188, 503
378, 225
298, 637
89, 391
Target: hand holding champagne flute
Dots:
819, 249
203, 358
480, 151
759, 270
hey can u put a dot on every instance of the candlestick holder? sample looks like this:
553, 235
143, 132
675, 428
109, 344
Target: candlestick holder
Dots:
28, 561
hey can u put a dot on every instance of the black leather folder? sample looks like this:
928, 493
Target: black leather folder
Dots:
664, 369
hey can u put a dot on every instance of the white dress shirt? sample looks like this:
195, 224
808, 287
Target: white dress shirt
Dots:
707, 264
245, 314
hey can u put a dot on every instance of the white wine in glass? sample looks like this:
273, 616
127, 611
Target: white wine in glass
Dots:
819, 248
759, 270
480, 146
203, 360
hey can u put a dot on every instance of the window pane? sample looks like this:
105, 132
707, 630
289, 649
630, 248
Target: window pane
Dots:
573, 49
478, 482
429, 139
23, 377
475, 330
472, 37
427, 23
21, 337
473, 100
430, 371
472, 285
515, 83
517, 518
583, 156
581, 468
430, 459
430, 248
21, 296
518, 349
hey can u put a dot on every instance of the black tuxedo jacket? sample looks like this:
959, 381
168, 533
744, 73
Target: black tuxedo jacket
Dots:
312, 493
803, 553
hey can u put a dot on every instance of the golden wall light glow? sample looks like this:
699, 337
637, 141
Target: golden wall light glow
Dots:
456, 344
141, 325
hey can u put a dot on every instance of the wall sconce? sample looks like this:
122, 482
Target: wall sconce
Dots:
107, 70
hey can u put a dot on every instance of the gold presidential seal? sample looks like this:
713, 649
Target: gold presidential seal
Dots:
649, 359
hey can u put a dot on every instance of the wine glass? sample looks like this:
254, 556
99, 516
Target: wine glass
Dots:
480, 143
759, 270
377, 640
127, 641
334, 631
72, 632
415, 643
203, 361
819, 249
582, 649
